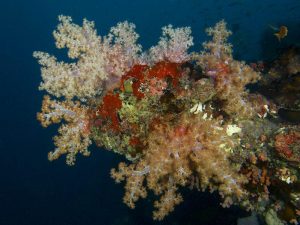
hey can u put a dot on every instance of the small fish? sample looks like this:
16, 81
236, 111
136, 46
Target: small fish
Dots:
281, 32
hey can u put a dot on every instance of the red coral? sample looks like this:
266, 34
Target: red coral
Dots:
109, 108
137, 75
164, 69
156, 87
283, 144
154, 76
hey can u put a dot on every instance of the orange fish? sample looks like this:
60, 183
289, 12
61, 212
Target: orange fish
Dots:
281, 32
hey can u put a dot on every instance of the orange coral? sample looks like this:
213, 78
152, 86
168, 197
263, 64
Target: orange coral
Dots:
173, 155
283, 143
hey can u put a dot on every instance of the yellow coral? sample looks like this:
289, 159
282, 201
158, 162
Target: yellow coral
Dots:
218, 46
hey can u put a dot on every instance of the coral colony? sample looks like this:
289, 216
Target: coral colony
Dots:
181, 119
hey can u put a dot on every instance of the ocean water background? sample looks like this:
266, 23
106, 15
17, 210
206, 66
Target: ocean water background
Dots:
37, 192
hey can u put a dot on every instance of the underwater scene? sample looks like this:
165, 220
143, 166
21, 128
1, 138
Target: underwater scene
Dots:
162, 112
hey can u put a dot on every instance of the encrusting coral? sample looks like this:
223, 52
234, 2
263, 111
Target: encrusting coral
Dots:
181, 119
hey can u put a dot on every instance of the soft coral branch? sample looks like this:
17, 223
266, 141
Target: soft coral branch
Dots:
74, 137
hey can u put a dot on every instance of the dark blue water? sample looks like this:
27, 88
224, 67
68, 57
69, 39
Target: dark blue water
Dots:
36, 192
